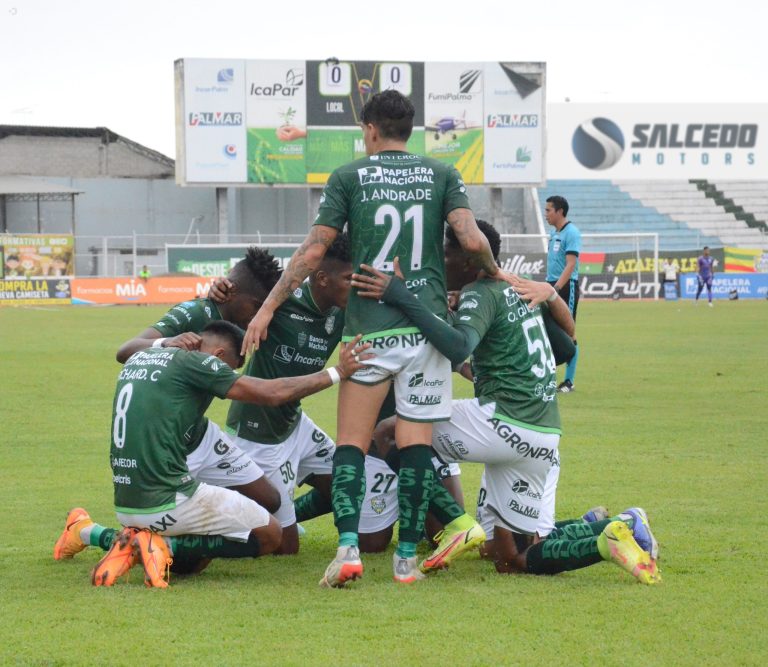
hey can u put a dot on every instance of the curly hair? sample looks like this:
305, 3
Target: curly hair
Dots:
339, 249
391, 112
258, 271
494, 240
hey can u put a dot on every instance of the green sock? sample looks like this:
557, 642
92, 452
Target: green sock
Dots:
347, 492
552, 555
311, 505
567, 522
445, 508
101, 536
414, 490
579, 530
195, 547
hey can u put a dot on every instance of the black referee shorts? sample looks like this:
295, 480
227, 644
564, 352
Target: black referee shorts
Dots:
570, 294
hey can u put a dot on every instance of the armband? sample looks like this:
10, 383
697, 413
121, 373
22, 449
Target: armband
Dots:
552, 296
334, 374
158, 342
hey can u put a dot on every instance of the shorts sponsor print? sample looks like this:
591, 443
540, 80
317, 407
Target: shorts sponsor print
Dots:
307, 451
218, 461
517, 461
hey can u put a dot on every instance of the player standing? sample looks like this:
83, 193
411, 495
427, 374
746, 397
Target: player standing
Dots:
705, 274
563, 268
396, 204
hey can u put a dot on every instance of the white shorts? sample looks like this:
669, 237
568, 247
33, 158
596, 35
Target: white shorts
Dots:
210, 510
421, 376
517, 461
380, 507
307, 451
218, 461
488, 519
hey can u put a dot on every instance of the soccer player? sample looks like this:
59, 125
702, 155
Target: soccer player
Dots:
158, 412
396, 204
563, 268
705, 274
216, 460
513, 424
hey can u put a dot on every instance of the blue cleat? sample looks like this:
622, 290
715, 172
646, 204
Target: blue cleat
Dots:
641, 530
598, 513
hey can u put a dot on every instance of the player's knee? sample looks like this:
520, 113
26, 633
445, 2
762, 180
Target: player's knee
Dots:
269, 537
373, 543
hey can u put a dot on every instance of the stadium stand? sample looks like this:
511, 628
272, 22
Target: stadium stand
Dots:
684, 214
605, 207
748, 199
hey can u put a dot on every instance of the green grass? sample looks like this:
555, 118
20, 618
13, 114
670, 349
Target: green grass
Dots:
669, 414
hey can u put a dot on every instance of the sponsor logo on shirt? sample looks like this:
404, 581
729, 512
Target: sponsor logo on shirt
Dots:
302, 339
284, 354
330, 322
469, 304
301, 318
403, 340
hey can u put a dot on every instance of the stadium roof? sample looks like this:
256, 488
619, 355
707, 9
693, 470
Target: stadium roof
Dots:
19, 185
106, 135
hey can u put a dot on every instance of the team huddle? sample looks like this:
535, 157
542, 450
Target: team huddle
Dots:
407, 300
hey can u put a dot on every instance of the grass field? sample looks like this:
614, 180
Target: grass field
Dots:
669, 414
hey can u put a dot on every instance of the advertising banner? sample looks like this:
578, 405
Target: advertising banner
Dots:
277, 121
211, 120
745, 260
727, 286
35, 292
654, 141
295, 121
37, 255
215, 260
117, 291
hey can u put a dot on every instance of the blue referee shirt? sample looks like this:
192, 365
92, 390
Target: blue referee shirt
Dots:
565, 242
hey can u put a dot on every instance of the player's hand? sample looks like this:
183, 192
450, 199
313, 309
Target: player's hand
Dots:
221, 290
186, 341
453, 300
351, 357
374, 286
257, 330
532, 291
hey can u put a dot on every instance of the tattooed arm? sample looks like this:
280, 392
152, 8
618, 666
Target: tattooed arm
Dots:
305, 260
472, 240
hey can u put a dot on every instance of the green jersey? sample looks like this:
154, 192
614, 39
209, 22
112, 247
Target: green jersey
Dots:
157, 416
396, 204
188, 316
513, 363
299, 341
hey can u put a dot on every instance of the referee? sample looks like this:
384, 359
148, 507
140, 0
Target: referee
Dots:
563, 268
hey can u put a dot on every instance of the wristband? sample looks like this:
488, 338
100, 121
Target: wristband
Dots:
335, 377
158, 342
552, 296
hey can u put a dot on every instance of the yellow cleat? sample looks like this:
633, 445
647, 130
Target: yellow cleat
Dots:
617, 545
117, 561
69, 542
452, 545
153, 552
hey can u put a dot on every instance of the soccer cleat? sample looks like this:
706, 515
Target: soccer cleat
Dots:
117, 561
406, 570
598, 513
69, 542
152, 551
347, 566
617, 545
452, 545
641, 530
566, 387
710, 304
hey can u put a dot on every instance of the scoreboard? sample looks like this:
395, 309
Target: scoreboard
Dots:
292, 122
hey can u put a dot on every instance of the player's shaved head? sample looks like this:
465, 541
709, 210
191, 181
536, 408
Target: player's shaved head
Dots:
392, 113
